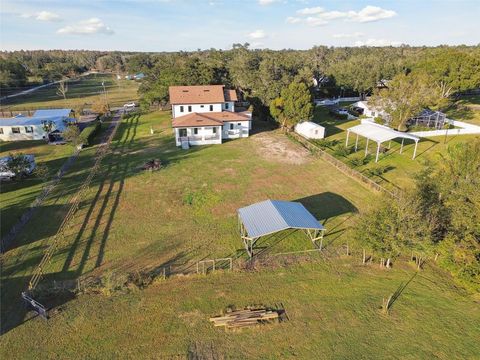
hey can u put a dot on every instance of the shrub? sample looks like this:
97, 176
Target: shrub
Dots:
377, 170
342, 150
89, 132
359, 160
325, 143
379, 120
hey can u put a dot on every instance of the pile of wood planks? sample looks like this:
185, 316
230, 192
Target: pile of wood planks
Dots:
247, 317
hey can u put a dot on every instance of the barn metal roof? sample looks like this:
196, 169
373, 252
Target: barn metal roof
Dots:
52, 113
271, 216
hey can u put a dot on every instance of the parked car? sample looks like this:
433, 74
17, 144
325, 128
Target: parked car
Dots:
131, 105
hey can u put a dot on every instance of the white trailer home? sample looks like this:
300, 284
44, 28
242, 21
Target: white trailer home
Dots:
310, 130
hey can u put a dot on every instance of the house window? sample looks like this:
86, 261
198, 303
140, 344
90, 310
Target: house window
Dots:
195, 131
239, 124
226, 105
231, 126
181, 108
214, 130
211, 107
182, 132
373, 113
15, 130
189, 108
28, 129
202, 106
316, 132
1, 130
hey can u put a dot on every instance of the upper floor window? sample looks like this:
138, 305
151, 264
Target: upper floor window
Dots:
211, 107
181, 108
226, 105
202, 106
214, 130
1, 130
189, 108
28, 129
15, 130
195, 131
231, 126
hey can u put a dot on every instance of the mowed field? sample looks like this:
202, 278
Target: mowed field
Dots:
400, 168
82, 92
135, 221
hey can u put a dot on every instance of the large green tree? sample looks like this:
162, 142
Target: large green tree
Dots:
293, 106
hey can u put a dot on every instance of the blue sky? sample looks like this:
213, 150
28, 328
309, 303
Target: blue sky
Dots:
168, 25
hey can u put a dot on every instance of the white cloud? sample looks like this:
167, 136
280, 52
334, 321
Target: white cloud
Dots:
348, 36
266, 2
371, 13
86, 27
257, 34
293, 20
318, 16
377, 42
43, 16
311, 11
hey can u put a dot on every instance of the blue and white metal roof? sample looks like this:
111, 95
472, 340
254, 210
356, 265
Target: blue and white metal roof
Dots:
271, 216
52, 113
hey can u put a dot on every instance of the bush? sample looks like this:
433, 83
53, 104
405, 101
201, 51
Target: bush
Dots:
377, 170
359, 160
379, 120
89, 132
325, 143
342, 150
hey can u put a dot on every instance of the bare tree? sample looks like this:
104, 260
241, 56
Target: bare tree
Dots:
62, 89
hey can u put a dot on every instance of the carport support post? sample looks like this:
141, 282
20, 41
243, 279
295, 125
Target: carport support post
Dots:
346, 142
415, 150
378, 151
401, 146
366, 148
356, 143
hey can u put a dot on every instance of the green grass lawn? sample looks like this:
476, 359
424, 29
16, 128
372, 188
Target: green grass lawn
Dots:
134, 221
16, 196
81, 93
401, 167
466, 109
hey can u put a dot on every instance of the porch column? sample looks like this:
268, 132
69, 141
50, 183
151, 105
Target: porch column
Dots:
401, 146
356, 143
415, 150
378, 151
366, 148
348, 133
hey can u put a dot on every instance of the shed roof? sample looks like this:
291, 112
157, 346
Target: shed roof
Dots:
308, 125
52, 112
271, 216
379, 133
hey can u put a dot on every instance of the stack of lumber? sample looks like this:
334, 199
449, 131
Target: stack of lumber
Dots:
245, 317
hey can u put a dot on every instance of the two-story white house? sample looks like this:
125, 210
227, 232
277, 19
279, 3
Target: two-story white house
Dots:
205, 114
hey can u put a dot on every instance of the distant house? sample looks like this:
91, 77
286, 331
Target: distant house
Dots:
203, 115
310, 130
44, 124
426, 118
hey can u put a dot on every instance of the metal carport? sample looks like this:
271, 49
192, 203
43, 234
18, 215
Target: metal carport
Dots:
271, 216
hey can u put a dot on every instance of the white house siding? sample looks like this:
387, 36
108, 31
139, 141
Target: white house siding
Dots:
198, 108
203, 137
240, 129
7, 135
229, 107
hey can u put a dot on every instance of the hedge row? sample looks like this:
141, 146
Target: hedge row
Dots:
89, 132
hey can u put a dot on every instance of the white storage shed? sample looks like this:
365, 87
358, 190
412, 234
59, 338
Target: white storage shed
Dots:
310, 130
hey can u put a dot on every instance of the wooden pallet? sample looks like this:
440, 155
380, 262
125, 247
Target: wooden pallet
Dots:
247, 317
